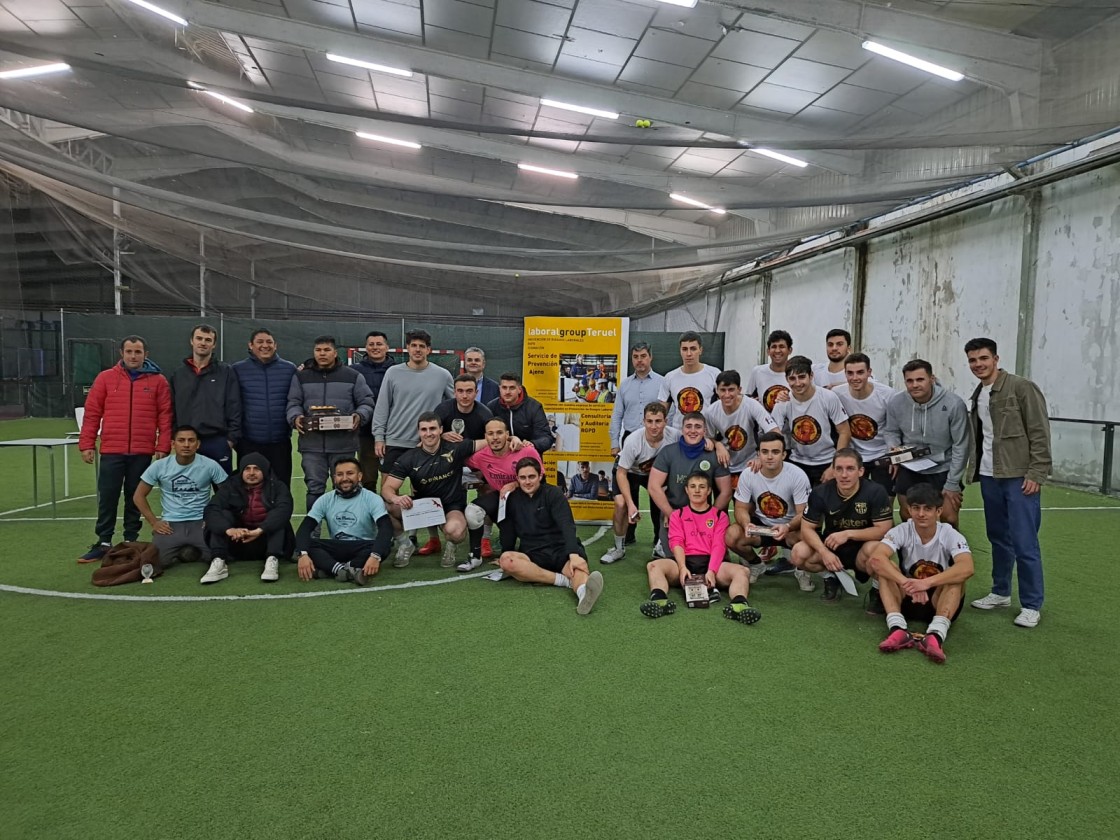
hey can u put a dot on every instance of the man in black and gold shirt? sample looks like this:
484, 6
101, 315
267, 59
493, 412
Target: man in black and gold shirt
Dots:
843, 521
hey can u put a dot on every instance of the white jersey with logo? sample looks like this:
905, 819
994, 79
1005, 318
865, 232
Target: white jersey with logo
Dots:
687, 392
824, 378
736, 430
766, 383
918, 560
867, 418
809, 425
637, 453
775, 499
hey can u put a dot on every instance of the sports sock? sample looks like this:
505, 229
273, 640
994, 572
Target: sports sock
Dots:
336, 567
826, 575
562, 581
476, 541
620, 542
940, 626
581, 590
658, 595
895, 621
739, 599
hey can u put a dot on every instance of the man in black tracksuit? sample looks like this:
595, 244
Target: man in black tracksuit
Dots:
206, 394
524, 415
372, 368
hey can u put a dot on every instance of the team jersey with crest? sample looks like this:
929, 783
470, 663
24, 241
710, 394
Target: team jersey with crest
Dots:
637, 453
922, 560
766, 384
868, 505
700, 532
824, 378
775, 499
687, 392
866, 418
500, 470
737, 430
436, 474
810, 425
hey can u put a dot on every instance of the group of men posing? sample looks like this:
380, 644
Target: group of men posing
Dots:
798, 450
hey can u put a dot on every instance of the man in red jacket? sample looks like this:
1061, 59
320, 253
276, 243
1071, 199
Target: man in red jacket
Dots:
129, 407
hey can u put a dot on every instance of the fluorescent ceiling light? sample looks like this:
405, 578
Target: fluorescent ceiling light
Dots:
684, 199
559, 173
221, 97
377, 68
928, 66
27, 72
688, 4
408, 144
595, 112
144, 4
779, 156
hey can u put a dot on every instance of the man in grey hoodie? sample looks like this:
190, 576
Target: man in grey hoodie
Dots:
926, 414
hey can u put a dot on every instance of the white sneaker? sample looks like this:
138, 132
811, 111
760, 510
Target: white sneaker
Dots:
614, 555
591, 592
804, 580
756, 570
271, 570
1027, 618
404, 552
216, 572
658, 552
447, 559
471, 564
992, 600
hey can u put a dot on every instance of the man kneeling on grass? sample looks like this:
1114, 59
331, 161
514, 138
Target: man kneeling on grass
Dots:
934, 561
250, 518
539, 525
697, 538
360, 530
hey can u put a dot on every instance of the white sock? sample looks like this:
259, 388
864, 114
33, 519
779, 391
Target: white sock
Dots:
562, 581
895, 621
940, 626
620, 542
581, 590
827, 575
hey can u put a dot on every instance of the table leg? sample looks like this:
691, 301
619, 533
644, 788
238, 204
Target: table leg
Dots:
34, 476
54, 500
66, 472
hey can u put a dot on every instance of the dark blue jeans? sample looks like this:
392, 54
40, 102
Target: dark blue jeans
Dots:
119, 472
1013, 520
217, 447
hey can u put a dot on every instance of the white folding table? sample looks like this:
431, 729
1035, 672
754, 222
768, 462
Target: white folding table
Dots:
49, 444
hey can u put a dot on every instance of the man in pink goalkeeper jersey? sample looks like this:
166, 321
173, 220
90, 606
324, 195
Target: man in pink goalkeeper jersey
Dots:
697, 534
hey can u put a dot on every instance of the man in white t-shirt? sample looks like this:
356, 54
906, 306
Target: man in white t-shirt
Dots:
767, 383
837, 346
735, 422
934, 561
814, 419
634, 462
690, 387
865, 402
773, 497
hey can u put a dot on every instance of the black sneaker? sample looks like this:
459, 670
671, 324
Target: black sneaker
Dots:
781, 566
95, 553
657, 609
831, 591
713, 596
745, 614
874, 605
359, 577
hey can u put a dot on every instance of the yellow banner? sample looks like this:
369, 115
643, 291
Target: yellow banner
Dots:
573, 366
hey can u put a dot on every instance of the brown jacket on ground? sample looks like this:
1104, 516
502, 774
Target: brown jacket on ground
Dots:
122, 564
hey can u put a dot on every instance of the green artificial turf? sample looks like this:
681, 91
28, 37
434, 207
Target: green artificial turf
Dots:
491, 710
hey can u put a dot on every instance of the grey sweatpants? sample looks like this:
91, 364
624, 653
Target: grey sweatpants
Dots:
183, 534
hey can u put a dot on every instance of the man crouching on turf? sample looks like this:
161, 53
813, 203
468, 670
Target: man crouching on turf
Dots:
697, 538
549, 552
360, 528
934, 561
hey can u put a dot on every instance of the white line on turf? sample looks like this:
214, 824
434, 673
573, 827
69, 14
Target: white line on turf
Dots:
96, 596
47, 504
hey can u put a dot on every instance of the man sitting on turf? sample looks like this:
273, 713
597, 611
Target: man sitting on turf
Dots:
250, 518
435, 471
540, 541
773, 497
184, 482
844, 518
697, 538
360, 529
934, 561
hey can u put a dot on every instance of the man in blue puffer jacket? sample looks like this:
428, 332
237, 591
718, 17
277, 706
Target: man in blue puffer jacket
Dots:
265, 379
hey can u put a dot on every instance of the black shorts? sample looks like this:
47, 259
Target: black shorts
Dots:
636, 481
815, 472
908, 478
847, 554
925, 612
553, 559
392, 453
765, 542
697, 564
882, 477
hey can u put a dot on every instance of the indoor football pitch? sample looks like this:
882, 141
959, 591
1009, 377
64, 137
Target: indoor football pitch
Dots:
439, 705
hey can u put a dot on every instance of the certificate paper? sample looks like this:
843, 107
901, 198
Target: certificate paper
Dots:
424, 513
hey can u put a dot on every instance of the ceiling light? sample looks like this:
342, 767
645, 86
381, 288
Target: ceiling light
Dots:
27, 72
688, 4
144, 4
929, 67
408, 144
221, 97
779, 156
684, 199
377, 68
559, 173
581, 109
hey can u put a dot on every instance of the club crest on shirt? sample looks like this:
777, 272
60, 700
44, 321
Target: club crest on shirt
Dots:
806, 430
770, 395
861, 508
689, 400
736, 438
772, 505
705, 464
709, 524
447, 456
863, 427
924, 569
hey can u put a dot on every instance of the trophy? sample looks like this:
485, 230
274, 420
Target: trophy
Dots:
901, 455
762, 531
696, 592
147, 570
457, 425
327, 418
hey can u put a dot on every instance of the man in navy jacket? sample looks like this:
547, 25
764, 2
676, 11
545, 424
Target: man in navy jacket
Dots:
372, 368
265, 379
